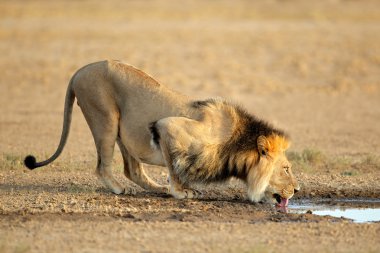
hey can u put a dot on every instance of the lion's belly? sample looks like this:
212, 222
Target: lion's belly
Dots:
155, 158
134, 127
137, 142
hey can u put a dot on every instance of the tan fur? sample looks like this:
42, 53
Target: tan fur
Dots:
199, 141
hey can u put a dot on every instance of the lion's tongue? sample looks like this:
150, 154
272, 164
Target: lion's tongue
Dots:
284, 202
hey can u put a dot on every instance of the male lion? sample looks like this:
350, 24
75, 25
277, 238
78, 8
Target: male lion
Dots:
199, 141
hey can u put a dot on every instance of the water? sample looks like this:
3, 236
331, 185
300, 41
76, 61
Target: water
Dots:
359, 211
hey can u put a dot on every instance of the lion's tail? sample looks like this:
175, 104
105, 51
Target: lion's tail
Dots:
30, 161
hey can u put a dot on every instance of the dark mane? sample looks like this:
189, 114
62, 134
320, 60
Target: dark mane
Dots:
202, 103
249, 128
252, 128
244, 140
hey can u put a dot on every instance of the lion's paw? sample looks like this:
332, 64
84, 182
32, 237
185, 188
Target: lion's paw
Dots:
166, 189
163, 189
186, 194
130, 191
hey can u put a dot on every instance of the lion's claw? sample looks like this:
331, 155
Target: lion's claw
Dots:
186, 194
129, 191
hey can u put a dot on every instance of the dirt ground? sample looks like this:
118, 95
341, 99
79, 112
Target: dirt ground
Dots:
309, 67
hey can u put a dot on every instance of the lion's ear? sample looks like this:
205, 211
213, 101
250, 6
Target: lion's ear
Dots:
262, 145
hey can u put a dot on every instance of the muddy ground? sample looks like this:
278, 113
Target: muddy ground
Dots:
309, 68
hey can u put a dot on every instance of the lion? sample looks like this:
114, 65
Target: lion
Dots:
198, 141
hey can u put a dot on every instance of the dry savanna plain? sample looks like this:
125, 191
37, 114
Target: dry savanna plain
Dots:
311, 68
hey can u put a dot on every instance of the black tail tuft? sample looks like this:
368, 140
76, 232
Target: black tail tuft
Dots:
154, 132
30, 162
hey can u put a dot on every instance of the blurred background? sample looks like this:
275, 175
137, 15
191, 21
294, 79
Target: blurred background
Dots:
309, 67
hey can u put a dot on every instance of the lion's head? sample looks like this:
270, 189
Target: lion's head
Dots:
272, 176
282, 185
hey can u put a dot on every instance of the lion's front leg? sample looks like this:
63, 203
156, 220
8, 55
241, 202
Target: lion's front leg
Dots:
180, 191
178, 188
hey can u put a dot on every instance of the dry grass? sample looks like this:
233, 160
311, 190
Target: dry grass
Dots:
314, 161
7, 247
334, 50
302, 64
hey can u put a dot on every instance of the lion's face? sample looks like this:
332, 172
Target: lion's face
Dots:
282, 184
272, 176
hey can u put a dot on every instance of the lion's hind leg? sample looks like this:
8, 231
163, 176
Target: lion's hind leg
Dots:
105, 147
134, 171
104, 128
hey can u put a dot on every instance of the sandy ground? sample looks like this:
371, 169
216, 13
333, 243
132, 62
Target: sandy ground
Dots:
309, 68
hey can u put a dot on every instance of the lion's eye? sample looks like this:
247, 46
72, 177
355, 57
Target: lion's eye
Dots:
286, 170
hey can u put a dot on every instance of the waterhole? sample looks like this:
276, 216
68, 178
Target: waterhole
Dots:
358, 210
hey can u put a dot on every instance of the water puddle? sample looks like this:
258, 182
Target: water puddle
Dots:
359, 210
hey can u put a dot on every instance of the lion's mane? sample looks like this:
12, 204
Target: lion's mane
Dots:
235, 156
